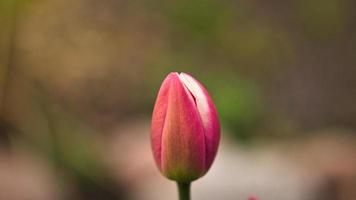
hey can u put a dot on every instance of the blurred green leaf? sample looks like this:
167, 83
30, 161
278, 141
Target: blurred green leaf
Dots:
239, 104
198, 20
324, 19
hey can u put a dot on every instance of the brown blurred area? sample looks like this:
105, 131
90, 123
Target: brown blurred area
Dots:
78, 80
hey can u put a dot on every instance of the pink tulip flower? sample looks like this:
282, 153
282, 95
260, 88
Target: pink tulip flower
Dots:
185, 129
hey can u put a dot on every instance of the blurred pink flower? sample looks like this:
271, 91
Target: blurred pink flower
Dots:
252, 198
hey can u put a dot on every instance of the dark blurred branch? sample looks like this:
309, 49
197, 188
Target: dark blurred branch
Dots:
8, 69
9, 63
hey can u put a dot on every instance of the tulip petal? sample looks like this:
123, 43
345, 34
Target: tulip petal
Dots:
158, 118
208, 116
183, 141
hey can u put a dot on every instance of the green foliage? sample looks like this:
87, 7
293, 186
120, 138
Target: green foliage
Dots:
322, 20
198, 17
240, 106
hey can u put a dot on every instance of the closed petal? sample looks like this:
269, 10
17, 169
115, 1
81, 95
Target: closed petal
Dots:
158, 118
208, 114
183, 140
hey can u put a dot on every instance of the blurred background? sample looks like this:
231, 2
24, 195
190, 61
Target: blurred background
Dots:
78, 80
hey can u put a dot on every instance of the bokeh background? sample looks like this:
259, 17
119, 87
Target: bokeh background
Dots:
78, 80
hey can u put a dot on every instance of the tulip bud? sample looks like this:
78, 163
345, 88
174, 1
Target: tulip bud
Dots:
185, 129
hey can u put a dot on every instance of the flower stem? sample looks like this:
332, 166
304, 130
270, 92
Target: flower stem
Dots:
184, 191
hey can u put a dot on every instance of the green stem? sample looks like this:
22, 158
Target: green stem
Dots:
184, 191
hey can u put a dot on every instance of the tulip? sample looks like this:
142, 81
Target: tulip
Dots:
185, 129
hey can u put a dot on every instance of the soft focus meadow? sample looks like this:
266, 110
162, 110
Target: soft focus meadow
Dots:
78, 81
